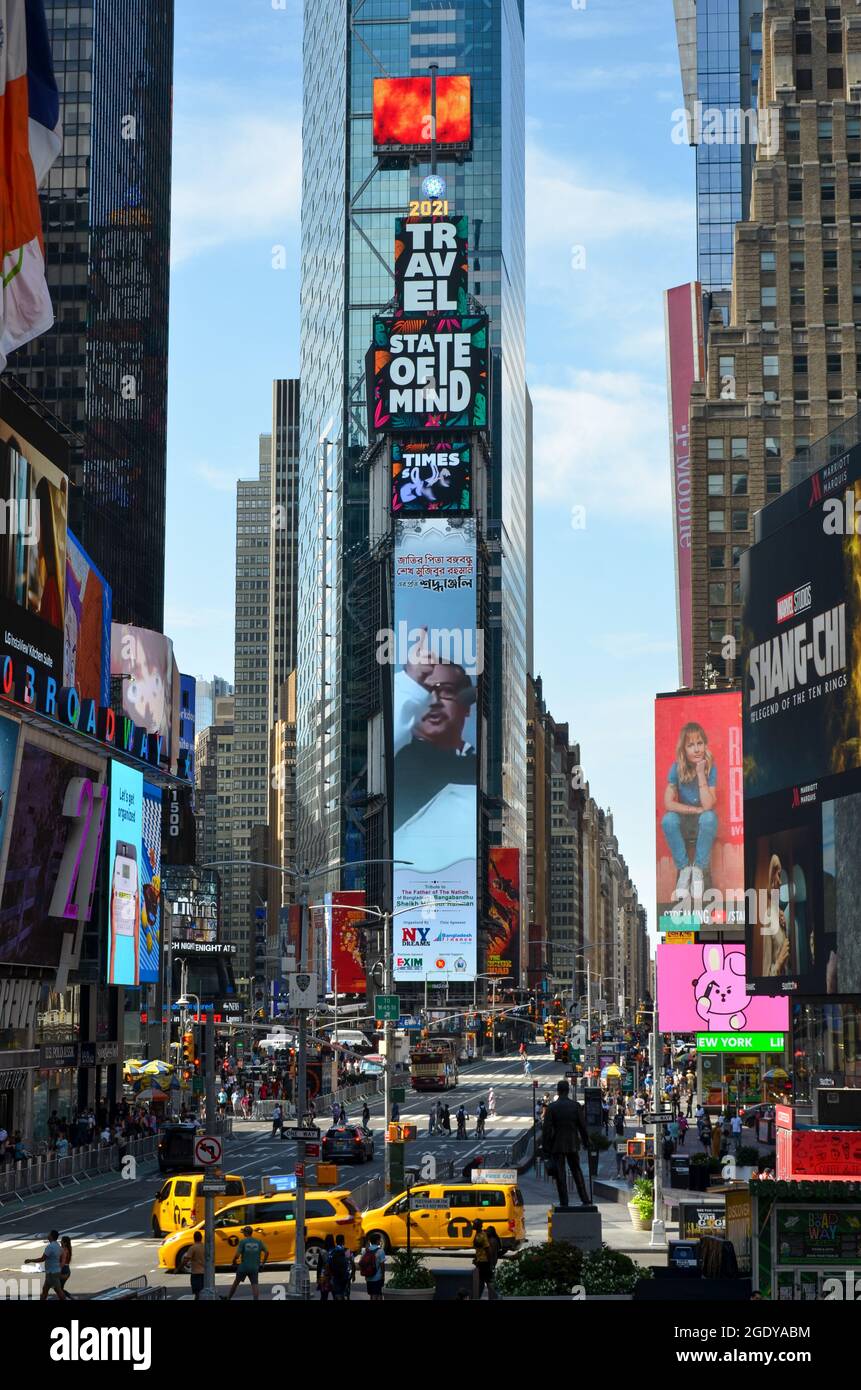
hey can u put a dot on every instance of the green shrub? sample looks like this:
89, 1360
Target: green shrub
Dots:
510, 1283
747, 1156
405, 1271
609, 1271
555, 1266
643, 1198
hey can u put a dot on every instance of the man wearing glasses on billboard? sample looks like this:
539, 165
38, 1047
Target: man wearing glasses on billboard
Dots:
432, 702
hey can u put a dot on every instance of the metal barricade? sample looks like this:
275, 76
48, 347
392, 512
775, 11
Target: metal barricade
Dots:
369, 1194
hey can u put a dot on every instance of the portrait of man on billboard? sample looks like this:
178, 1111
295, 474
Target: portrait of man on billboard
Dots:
435, 764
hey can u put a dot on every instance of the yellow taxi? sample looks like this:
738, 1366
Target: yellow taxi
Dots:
179, 1201
272, 1220
442, 1216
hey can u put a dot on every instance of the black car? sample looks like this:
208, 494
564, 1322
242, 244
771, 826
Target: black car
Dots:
176, 1147
348, 1143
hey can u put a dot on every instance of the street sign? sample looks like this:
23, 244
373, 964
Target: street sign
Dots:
430, 1203
312, 1150
281, 1182
399, 1094
304, 991
297, 1132
387, 1007
664, 1118
213, 1187
207, 1150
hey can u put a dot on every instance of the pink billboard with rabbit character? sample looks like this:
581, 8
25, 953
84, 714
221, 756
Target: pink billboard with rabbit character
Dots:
704, 987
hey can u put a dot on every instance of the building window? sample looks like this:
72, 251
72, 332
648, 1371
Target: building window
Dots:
772, 446
767, 260
853, 127
796, 296
829, 260
835, 79
737, 552
768, 296
717, 594
770, 365
825, 127
716, 449
717, 557
796, 259
833, 362
826, 192
799, 364
803, 42
717, 521
726, 366
829, 294
716, 629
717, 486
739, 521
739, 485
792, 130
739, 448
802, 446
795, 191
804, 80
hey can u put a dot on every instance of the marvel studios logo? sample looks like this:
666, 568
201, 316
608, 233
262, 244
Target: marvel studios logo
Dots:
790, 605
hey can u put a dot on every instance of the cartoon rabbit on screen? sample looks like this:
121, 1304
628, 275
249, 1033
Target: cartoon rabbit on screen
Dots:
720, 991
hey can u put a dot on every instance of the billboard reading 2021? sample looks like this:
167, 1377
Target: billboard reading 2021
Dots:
436, 654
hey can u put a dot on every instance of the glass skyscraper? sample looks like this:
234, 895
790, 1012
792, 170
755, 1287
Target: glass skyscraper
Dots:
348, 210
106, 216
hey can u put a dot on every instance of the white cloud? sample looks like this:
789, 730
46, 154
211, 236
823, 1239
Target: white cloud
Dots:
601, 443
218, 479
236, 177
567, 205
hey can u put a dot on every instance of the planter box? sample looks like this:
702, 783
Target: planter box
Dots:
637, 1221
411, 1295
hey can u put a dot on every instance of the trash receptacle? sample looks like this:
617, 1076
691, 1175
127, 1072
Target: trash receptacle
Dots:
680, 1171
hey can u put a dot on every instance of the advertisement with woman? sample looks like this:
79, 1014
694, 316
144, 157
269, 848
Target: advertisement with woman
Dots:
699, 811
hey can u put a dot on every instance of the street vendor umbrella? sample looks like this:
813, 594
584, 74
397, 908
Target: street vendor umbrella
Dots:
156, 1068
610, 1073
151, 1093
134, 1066
775, 1074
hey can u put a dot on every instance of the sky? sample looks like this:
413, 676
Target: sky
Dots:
610, 226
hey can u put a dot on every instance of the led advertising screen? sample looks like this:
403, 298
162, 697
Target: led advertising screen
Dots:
187, 713
9, 732
437, 657
125, 875
431, 475
87, 627
428, 374
34, 501
402, 113
431, 265
685, 338
54, 846
178, 826
191, 903
699, 811
702, 989
150, 942
345, 969
801, 588
503, 875
144, 661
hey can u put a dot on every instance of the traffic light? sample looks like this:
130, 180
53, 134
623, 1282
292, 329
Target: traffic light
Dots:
188, 1048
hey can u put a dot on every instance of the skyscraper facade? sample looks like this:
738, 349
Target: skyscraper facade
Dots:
347, 277
791, 348
284, 483
106, 216
205, 695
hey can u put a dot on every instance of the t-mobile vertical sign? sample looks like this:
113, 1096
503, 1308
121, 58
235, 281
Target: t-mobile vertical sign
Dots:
683, 318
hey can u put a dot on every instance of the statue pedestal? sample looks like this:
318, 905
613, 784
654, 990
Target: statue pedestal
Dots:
580, 1226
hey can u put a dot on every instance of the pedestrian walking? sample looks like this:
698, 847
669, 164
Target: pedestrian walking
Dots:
65, 1261
735, 1129
639, 1107
481, 1116
491, 1102
366, 1115
51, 1259
462, 1118
277, 1122
372, 1267
250, 1252
336, 1112
396, 1112
683, 1131
342, 1115
324, 1272
339, 1271
197, 1264
481, 1259
446, 1121
432, 1121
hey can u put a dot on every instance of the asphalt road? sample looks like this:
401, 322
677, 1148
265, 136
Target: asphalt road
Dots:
108, 1219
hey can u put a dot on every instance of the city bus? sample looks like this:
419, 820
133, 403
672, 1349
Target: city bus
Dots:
433, 1065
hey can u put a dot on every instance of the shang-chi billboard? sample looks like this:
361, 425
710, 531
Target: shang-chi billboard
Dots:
402, 113
428, 374
683, 318
503, 883
345, 970
801, 588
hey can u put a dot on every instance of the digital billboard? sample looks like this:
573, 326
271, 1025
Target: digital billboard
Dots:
54, 846
503, 884
431, 265
801, 590
87, 627
699, 811
431, 476
187, 716
428, 374
190, 903
685, 340
345, 968
33, 509
178, 826
702, 988
150, 942
436, 655
402, 113
125, 876
144, 662
9, 732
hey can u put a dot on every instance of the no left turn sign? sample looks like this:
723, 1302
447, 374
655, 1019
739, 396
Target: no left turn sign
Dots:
207, 1150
